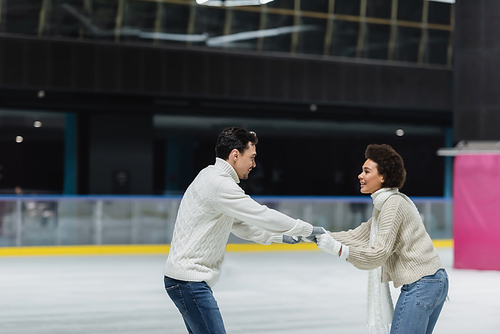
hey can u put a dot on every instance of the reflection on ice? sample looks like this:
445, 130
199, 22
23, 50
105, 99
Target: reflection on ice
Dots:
288, 292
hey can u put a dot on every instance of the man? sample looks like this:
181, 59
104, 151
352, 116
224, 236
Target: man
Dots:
212, 207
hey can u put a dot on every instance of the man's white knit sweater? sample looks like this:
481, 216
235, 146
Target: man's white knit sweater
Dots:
212, 207
402, 247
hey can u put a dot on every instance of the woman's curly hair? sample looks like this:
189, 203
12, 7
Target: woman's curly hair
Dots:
389, 164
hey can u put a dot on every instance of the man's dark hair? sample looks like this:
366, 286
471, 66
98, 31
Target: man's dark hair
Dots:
234, 138
389, 163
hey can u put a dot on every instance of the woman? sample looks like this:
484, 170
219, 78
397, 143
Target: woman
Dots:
394, 246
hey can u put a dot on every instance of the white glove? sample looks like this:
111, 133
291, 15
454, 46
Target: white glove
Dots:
327, 244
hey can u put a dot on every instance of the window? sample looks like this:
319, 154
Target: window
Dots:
377, 40
408, 40
392, 30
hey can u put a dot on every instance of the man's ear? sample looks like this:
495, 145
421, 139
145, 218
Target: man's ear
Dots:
234, 154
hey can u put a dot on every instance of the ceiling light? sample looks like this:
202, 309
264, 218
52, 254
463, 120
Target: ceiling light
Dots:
37, 124
232, 3
247, 35
19, 139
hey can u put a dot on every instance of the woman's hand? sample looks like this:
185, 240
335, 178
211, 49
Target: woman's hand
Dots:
327, 244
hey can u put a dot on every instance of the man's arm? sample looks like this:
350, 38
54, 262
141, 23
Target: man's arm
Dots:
232, 201
254, 233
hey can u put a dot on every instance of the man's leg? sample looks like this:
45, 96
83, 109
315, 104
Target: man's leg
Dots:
197, 306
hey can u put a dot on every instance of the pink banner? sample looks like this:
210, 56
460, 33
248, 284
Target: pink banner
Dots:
476, 212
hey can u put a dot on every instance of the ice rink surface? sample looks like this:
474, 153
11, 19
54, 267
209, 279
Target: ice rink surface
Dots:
276, 292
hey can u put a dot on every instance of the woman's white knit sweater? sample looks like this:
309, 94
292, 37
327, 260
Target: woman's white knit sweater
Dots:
212, 207
403, 248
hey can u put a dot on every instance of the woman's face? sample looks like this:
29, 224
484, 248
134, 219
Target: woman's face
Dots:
370, 180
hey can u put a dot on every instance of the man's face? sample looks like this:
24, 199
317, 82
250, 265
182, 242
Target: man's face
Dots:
245, 162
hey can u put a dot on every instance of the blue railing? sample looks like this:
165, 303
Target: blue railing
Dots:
107, 220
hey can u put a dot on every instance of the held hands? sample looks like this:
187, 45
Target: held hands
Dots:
291, 240
324, 241
317, 230
295, 240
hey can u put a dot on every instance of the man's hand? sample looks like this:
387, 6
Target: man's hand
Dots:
291, 240
327, 244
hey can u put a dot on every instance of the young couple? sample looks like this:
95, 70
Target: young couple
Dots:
392, 245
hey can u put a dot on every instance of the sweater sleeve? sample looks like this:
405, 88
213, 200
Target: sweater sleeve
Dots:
389, 220
231, 200
356, 237
254, 233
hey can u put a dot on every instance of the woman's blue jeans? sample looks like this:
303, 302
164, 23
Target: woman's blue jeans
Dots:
197, 305
420, 304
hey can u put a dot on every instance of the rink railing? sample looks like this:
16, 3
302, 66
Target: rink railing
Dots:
149, 220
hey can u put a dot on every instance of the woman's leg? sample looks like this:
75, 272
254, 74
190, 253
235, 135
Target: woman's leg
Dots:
408, 318
419, 304
439, 305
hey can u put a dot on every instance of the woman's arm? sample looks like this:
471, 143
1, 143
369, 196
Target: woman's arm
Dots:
354, 237
389, 220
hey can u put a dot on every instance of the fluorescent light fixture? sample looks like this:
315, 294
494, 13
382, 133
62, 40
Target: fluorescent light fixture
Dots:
232, 3
96, 31
165, 36
447, 1
242, 36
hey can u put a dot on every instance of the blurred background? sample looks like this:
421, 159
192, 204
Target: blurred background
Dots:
109, 109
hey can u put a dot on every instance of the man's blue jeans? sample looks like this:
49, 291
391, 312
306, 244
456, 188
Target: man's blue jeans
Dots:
197, 305
420, 304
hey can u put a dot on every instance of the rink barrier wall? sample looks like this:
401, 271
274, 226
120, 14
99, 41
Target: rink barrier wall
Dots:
92, 250
83, 224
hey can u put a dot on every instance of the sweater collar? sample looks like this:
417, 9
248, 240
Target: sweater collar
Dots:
381, 195
224, 166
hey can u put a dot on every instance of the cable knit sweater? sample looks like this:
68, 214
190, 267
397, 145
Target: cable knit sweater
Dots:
212, 207
403, 248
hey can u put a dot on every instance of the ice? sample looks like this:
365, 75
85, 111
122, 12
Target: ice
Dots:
274, 292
